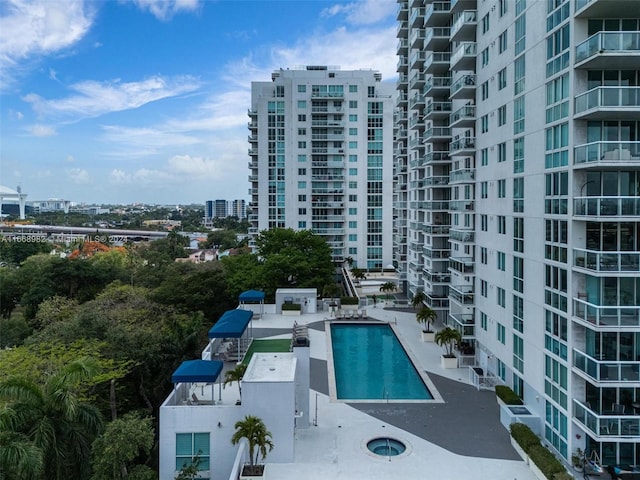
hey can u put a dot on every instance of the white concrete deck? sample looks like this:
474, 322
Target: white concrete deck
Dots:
336, 447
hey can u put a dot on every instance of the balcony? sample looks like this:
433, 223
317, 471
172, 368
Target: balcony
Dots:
437, 14
436, 230
417, 60
463, 294
253, 151
463, 320
417, 14
437, 62
606, 207
461, 205
606, 371
463, 87
608, 103
416, 101
437, 253
601, 154
435, 134
605, 426
436, 301
401, 29
437, 157
607, 262
603, 9
402, 64
439, 278
462, 146
605, 316
402, 48
436, 86
609, 50
461, 264
436, 38
416, 38
416, 121
463, 117
464, 26
417, 81
435, 110
464, 58
466, 175
465, 236
424, 205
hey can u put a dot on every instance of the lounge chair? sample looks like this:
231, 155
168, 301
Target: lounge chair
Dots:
195, 398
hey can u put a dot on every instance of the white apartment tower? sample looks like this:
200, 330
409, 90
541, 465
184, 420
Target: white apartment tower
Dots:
517, 200
321, 147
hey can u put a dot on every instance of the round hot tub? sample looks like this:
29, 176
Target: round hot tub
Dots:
386, 447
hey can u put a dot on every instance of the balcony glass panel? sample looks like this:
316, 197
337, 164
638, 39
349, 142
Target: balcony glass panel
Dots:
608, 42
607, 152
606, 425
606, 316
603, 371
606, 206
608, 97
598, 261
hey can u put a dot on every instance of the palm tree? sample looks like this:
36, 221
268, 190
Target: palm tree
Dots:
51, 419
426, 316
235, 375
418, 299
255, 431
448, 338
388, 287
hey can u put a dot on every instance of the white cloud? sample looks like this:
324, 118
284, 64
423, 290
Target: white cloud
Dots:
364, 12
33, 28
78, 176
166, 9
94, 98
42, 130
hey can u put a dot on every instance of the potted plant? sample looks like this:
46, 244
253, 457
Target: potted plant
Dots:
448, 338
235, 375
426, 316
259, 439
577, 460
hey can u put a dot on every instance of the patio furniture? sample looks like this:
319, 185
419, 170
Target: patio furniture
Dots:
617, 409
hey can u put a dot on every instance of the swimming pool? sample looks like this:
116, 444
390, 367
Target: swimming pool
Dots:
370, 363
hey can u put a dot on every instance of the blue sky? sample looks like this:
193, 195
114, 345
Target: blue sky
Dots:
146, 100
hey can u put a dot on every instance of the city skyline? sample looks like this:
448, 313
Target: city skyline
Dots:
115, 102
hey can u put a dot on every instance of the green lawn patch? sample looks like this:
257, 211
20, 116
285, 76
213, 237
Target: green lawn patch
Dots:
270, 345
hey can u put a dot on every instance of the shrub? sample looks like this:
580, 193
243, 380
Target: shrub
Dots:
545, 461
291, 306
563, 476
349, 301
507, 395
524, 436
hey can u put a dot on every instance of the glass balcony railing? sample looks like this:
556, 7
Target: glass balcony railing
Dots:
437, 132
607, 152
462, 294
608, 97
466, 49
436, 82
606, 315
467, 175
606, 206
464, 143
465, 18
606, 371
607, 425
608, 42
462, 235
464, 81
462, 264
601, 261
468, 112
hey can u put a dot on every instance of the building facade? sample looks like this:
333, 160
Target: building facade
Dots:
239, 209
517, 200
321, 148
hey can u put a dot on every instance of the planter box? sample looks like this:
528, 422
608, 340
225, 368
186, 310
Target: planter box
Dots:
520, 451
537, 472
350, 307
428, 336
291, 313
448, 362
252, 477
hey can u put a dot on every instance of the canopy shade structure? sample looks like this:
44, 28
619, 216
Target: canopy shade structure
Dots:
252, 296
204, 371
231, 324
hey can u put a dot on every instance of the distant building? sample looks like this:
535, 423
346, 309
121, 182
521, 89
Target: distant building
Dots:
208, 210
13, 196
51, 205
239, 209
321, 147
221, 209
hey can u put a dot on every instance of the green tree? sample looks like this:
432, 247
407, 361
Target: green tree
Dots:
53, 419
10, 291
358, 273
258, 437
426, 316
124, 440
448, 338
388, 288
14, 253
190, 471
418, 299
20, 459
222, 239
235, 375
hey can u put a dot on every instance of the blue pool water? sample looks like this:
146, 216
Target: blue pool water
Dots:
371, 364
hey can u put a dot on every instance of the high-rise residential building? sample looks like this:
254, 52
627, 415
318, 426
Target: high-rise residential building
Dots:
239, 209
321, 147
209, 210
220, 209
517, 201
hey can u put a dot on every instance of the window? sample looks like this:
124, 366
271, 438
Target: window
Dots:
302, 171
518, 234
353, 104
483, 321
302, 117
502, 42
502, 115
353, 224
518, 195
484, 189
518, 115
302, 88
518, 75
353, 117
502, 78
302, 104
518, 314
302, 184
501, 297
483, 223
518, 274
518, 155
502, 261
302, 224
484, 89
302, 198
302, 131
502, 224
484, 123
302, 144
483, 288
485, 57
353, 237
353, 172
501, 333
353, 211
302, 158
483, 255
518, 353
353, 88
302, 211
353, 158
521, 34
503, 7
484, 157
502, 152
485, 23
353, 144
188, 445
502, 188
353, 184
353, 198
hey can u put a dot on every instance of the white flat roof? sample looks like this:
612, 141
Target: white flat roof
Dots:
271, 367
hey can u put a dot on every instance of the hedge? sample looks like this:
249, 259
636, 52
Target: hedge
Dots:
507, 395
546, 461
524, 436
349, 301
291, 306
